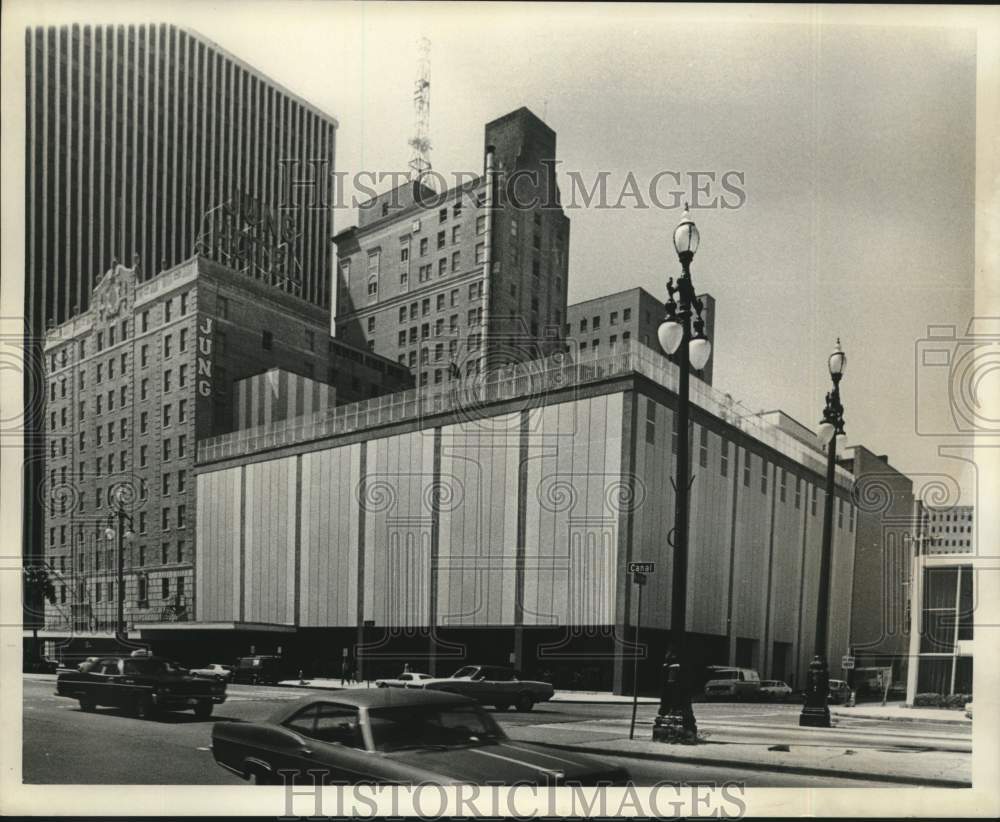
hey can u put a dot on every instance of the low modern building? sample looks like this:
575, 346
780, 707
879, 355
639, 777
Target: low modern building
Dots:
132, 384
634, 314
493, 520
951, 530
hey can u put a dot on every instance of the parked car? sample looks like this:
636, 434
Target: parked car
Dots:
408, 679
214, 670
143, 685
840, 692
495, 685
774, 690
259, 669
732, 684
394, 736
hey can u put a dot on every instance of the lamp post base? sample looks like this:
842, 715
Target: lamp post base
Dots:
816, 711
675, 722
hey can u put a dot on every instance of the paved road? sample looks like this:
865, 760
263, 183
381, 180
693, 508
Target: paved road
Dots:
62, 744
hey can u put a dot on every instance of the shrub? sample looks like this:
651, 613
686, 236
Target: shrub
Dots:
957, 701
953, 701
927, 701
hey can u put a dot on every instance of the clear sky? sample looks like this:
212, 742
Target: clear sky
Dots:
856, 141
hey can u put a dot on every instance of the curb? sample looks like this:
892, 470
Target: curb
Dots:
933, 782
887, 718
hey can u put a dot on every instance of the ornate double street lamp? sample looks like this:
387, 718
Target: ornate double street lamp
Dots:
815, 711
123, 535
682, 336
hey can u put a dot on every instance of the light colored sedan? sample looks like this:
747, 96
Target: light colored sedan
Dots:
214, 670
404, 680
774, 690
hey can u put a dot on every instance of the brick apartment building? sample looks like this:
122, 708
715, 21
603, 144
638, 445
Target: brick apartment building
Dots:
133, 383
632, 314
426, 277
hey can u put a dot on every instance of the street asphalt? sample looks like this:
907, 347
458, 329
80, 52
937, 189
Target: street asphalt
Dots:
64, 745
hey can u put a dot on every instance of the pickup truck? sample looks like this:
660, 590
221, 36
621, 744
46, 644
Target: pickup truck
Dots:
494, 685
142, 685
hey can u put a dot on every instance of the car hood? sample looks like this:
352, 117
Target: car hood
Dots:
509, 762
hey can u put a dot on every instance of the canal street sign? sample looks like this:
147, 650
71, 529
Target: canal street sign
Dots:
847, 662
641, 567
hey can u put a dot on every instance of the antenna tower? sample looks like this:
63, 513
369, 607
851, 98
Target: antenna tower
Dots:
420, 159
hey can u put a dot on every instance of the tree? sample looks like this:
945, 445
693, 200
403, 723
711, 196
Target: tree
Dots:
38, 588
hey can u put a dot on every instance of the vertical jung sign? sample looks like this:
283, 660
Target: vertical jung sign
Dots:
204, 369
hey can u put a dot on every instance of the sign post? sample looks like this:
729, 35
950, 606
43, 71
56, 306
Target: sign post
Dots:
639, 570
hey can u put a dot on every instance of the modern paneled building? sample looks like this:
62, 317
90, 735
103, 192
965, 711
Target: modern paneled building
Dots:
134, 382
603, 322
950, 530
143, 143
388, 535
461, 280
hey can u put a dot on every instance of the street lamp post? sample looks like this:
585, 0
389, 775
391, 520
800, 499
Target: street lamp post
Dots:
816, 711
682, 336
123, 535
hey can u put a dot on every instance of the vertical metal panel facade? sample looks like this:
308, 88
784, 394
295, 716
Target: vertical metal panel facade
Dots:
573, 487
477, 547
330, 539
399, 486
269, 541
219, 533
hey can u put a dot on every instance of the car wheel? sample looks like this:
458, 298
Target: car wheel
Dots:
203, 710
143, 707
87, 705
525, 702
501, 706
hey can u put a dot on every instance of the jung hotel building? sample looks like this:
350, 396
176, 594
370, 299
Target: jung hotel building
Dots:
134, 136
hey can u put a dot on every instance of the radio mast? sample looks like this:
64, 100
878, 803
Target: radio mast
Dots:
420, 159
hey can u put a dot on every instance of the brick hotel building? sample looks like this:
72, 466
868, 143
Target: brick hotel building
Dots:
464, 279
134, 382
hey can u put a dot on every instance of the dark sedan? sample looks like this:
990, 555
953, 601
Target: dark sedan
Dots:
395, 736
144, 685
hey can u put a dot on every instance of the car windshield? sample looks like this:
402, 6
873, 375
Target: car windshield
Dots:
468, 670
431, 726
152, 667
725, 674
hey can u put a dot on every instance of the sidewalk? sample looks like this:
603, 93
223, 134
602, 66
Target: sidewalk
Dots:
903, 713
932, 768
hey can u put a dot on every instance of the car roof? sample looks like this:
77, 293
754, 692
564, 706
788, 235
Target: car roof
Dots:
374, 698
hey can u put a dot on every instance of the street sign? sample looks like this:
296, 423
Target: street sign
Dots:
641, 567
638, 577
847, 663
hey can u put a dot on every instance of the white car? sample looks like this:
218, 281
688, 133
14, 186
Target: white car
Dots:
774, 690
214, 671
404, 680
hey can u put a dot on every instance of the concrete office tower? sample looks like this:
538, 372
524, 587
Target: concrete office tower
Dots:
466, 279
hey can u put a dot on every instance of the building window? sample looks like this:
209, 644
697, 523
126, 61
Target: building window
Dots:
371, 325
165, 485
724, 461
650, 421
167, 376
763, 476
143, 389
181, 445
167, 305
456, 234
746, 470
784, 484
481, 224
480, 252
423, 247
181, 480
143, 456
440, 240
167, 339
182, 375
165, 588
222, 307
613, 319
310, 339
626, 315
165, 518
166, 449
144, 321
456, 260
812, 500
166, 415
184, 304
181, 516
143, 356
142, 522
182, 411
583, 325
266, 340
703, 447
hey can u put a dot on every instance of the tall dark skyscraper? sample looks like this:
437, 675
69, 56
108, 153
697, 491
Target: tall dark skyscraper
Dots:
149, 143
